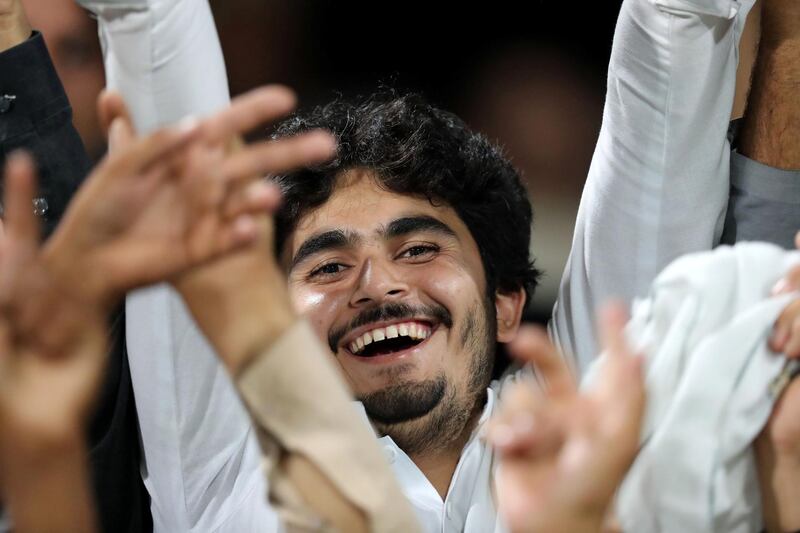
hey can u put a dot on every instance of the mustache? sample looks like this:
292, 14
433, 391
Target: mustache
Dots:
390, 311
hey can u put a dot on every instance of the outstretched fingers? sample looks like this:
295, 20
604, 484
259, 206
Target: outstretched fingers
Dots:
282, 155
246, 112
141, 155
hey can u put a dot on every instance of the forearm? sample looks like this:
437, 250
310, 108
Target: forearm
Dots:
48, 489
242, 315
658, 184
325, 462
164, 57
771, 129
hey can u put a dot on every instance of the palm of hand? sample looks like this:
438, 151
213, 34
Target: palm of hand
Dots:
563, 451
135, 223
168, 226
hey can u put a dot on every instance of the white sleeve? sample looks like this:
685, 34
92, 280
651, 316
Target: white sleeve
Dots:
164, 57
201, 457
658, 184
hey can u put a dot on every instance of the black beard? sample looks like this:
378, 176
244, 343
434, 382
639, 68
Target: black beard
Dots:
404, 402
432, 414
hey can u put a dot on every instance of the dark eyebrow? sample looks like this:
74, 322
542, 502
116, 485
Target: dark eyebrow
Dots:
406, 225
323, 241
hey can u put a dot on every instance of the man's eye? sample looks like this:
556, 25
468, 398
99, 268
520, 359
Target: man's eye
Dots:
328, 269
419, 251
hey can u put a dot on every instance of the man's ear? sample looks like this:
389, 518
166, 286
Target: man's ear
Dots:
509, 306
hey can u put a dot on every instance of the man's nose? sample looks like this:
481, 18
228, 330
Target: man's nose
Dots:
379, 280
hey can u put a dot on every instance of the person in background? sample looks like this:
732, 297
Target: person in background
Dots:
72, 41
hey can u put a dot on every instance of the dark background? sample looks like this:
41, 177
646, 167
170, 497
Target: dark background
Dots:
529, 75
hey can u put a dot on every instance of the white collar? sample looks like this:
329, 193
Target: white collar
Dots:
469, 505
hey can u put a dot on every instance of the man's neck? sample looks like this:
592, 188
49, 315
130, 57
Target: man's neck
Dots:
440, 464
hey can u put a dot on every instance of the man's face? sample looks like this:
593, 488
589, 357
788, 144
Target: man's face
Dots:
396, 287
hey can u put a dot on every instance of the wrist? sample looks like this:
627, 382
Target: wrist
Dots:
242, 315
257, 321
31, 446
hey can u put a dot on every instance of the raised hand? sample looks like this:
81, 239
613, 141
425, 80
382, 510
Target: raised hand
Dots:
217, 202
31, 374
45, 394
564, 452
163, 204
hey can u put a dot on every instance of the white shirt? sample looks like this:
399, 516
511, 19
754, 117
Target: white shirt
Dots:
657, 189
658, 184
469, 505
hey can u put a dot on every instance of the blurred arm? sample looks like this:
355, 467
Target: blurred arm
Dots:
658, 184
46, 486
201, 456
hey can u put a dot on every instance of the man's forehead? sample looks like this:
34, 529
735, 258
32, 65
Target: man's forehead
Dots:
359, 205
376, 225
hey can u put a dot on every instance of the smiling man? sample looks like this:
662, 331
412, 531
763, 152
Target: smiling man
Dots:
396, 258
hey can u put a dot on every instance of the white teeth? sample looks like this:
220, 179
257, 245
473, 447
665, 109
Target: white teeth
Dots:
410, 329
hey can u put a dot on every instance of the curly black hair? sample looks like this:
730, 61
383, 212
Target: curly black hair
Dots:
413, 148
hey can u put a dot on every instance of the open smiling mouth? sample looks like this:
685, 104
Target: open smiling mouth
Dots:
390, 339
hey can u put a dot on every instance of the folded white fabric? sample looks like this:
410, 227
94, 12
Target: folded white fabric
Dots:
703, 331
